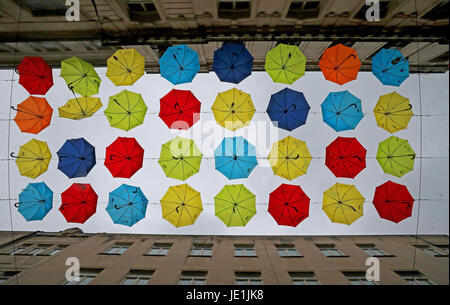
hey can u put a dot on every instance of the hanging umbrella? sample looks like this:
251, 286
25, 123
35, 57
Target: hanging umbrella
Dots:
235, 205
395, 156
393, 112
124, 157
180, 158
80, 107
35, 201
181, 205
33, 158
232, 63
179, 109
340, 64
179, 64
233, 109
342, 110
127, 205
235, 158
79, 202
33, 114
35, 75
345, 157
289, 158
393, 201
80, 76
125, 67
288, 108
126, 110
390, 67
288, 205
285, 63
76, 158
343, 203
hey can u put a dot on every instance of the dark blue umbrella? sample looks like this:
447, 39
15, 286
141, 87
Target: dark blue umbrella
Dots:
127, 205
179, 64
289, 108
342, 110
76, 158
232, 63
390, 67
35, 201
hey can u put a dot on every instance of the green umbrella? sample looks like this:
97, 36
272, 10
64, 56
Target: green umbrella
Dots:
285, 63
126, 110
80, 76
235, 205
395, 156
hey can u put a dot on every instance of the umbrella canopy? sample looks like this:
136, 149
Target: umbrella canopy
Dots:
343, 203
285, 63
288, 108
80, 107
33, 114
393, 201
124, 157
179, 109
289, 158
125, 67
127, 205
126, 110
79, 202
181, 205
179, 64
233, 109
340, 64
180, 158
33, 158
232, 63
35, 75
393, 112
390, 67
35, 201
235, 158
342, 110
80, 76
288, 205
76, 158
345, 157
235, 205
395, 156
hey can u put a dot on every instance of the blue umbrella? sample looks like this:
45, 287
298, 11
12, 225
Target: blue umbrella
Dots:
289, 108
390, 67
35, 201
179, 64
232, 63
235, 158
127, 205
342, 110
76, 158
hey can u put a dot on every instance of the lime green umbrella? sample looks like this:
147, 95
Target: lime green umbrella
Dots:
80, 76
235, 205
285, 63
395, 156
126, 110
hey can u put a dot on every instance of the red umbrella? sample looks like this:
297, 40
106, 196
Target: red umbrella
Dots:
79, 202
124, 157
288, 205
393, 201
35, 75
179, 109
345, 157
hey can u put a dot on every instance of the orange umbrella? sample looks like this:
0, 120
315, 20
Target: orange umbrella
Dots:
33, 114
340, 64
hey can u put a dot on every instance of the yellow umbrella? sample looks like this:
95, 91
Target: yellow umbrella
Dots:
233, 109
125, 67
33, 158
343, 203
181, 205
393, 112
289, 158
80, 107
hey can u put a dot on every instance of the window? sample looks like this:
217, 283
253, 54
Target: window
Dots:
193, 278
37, 250
143, 11
234, 9
372, 250
159, 249
248, 278
358, 278
287, 251
330, 251
302, 9
201, 250
18, 249
438, 12
44, 8
56, 250
86, 276
304, 278
433, 251
361, 14
6, 275
244, 250
117, 249
137, 277
414, 277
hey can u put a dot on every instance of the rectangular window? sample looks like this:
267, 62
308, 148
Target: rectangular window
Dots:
330, 251
117, 249
302, 9
358, 278
44, 8
234, 9
414, 277
304, 278
143, 11
56, 249
372, 250
38, 250
159, 249
137, 277
433, 251
287, 251
248, 278
6, 275
201, 250
18, 249
86, 276
244, 250
193, 278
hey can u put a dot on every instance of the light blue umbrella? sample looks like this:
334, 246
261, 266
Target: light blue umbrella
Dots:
342, 110
390, 67
179, 64
127, 205
35, 201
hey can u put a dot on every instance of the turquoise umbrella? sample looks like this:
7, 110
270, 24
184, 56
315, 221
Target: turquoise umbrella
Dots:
35, 201
127, 205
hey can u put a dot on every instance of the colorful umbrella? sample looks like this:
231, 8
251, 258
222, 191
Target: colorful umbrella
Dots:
288, 205
395, 156
233, 109
35, 75
127, 205
342, 110
179, 109
79, 202
35, 201
125, 67
393, 201
181, 205
345, 157
76, 158
33, 158
80, 107
235, 205
124, 157
343, 203
232, 63
340, 64
285, 63
126, 110
179, 64
288, 108
80, 76
235, 158
390, 67
33, 114
393, 112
